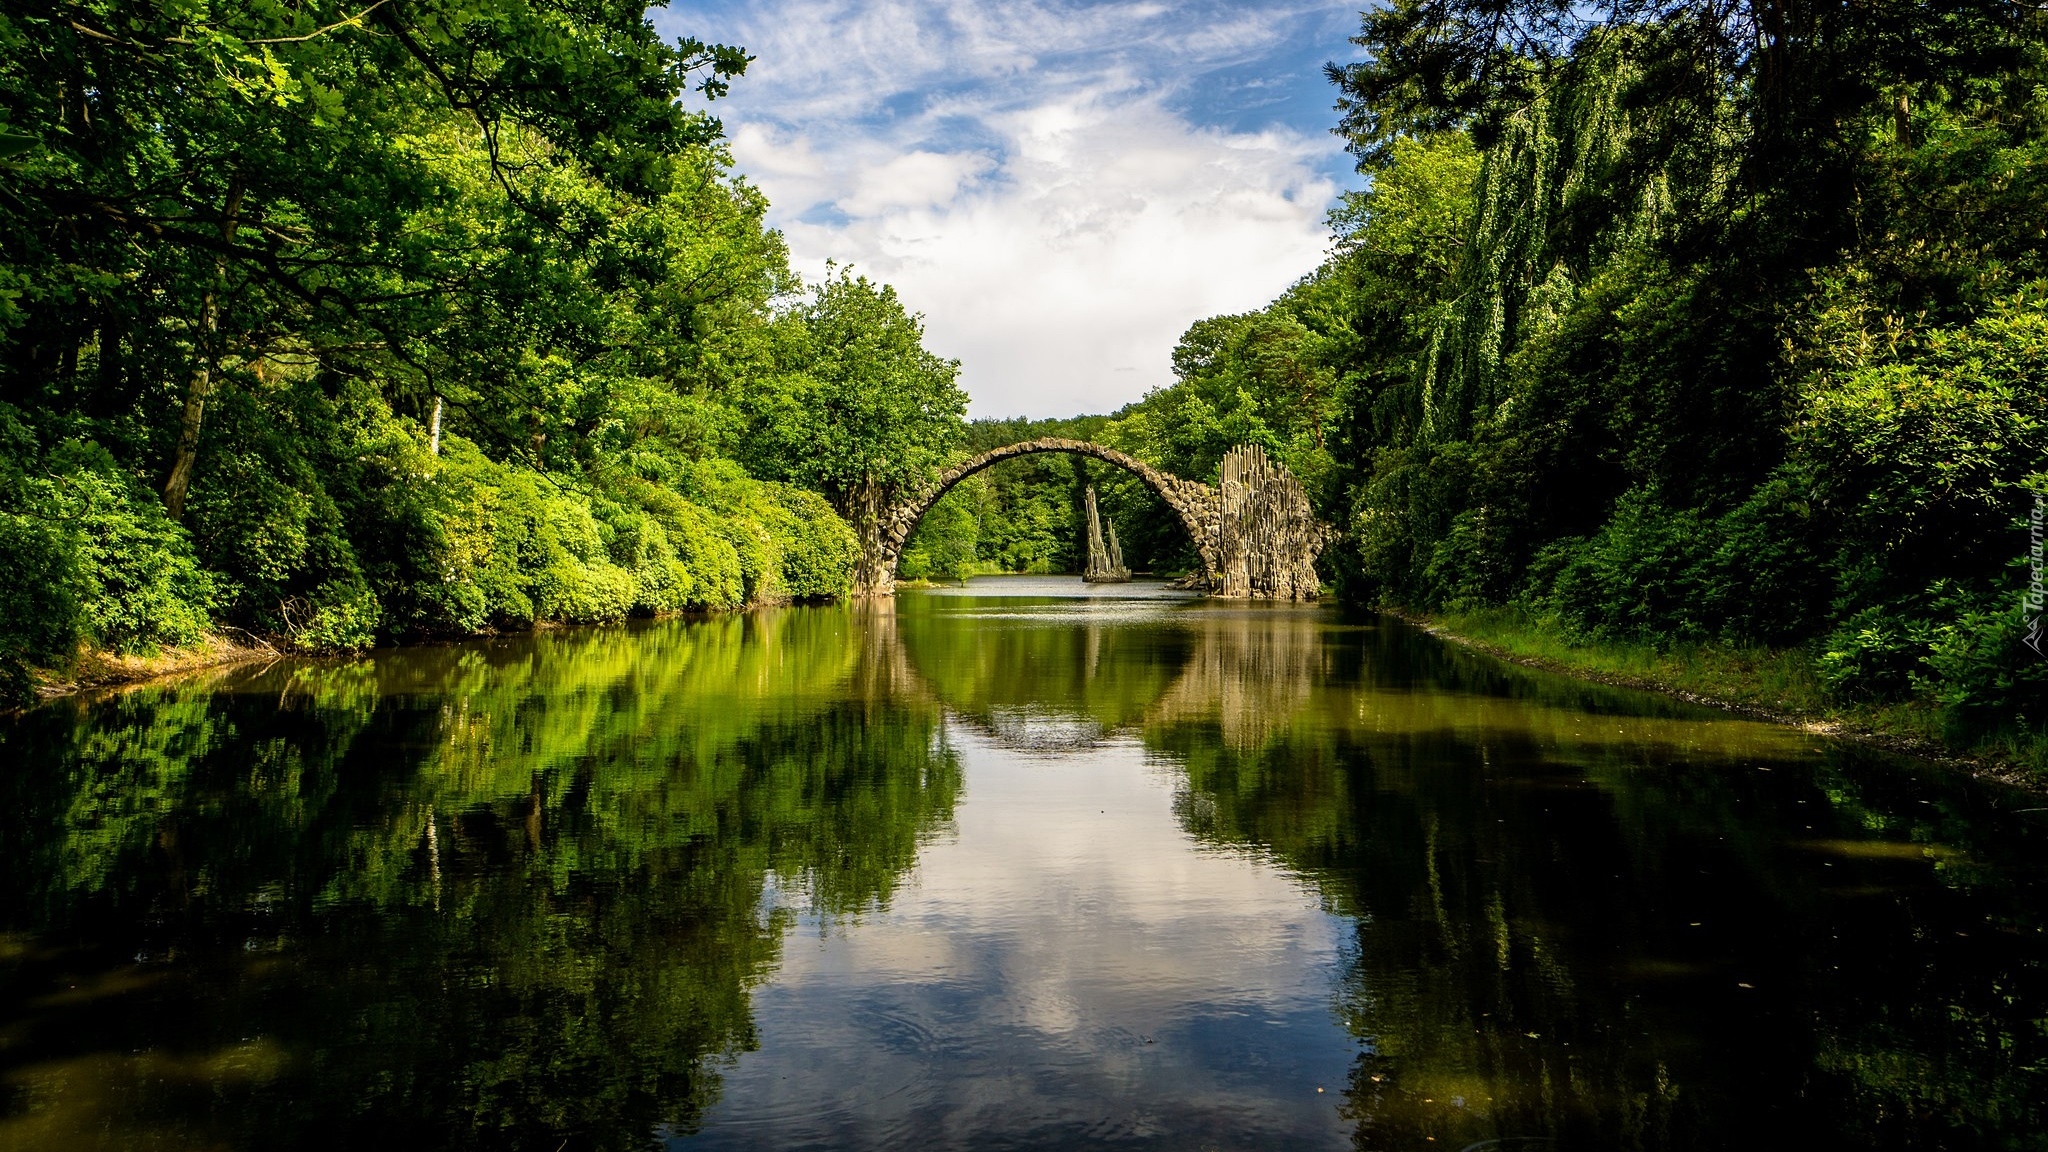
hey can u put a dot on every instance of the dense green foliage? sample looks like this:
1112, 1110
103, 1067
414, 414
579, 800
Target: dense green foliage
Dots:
333, 323
1674, 330
1662, 322
866, 414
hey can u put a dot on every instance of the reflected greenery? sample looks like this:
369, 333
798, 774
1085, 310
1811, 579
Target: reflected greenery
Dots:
997, 663
559, 850
518, 893
1586, 923
1585, 916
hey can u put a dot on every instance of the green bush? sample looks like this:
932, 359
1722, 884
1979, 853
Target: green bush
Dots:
310, 506
1767, 581
1925, 457
340, 616
708, 570
1874, 654
788, 542
1980, 674
39, 609
86, 553
1643, 575
1960, 651
517, 548
819, 550
139, 583
317, 517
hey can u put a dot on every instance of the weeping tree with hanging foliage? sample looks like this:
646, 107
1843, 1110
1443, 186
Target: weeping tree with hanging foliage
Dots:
1740, 338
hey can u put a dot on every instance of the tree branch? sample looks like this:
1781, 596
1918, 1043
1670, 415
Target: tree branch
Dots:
355, 21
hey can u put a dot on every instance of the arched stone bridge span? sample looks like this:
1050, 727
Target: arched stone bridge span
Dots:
1254, 531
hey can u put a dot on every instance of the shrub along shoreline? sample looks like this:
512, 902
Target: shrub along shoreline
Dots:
1775, 684
412, 544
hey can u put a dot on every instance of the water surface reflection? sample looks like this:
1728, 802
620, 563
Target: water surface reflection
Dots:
1024, 864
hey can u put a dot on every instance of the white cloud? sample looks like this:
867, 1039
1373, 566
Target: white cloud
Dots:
912, 181
1021, 173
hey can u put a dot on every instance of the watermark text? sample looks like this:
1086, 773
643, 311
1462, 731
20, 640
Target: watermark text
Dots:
2032, 600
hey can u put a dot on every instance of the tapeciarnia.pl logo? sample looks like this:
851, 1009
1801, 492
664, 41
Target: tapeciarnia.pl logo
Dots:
2033, 598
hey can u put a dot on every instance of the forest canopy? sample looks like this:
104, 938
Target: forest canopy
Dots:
1651, 322
1682, 323
1670, 324
337, 322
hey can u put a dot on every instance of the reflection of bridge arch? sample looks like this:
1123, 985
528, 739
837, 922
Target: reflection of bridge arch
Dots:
1194, 503
1079, 685
1254, 531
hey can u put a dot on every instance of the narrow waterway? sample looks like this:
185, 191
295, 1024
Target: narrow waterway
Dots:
1028, 864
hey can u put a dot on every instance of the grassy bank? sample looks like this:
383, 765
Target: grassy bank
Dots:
101, 668
1777, 684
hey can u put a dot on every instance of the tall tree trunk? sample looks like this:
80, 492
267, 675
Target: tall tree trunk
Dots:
201, 384
863, 505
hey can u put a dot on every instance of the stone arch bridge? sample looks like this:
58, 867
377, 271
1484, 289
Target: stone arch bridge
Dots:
1254, 530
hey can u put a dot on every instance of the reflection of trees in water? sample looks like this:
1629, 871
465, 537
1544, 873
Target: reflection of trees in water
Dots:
1244, 674
1040, 684
1525, 893
561, 851
557, 848
1055, 685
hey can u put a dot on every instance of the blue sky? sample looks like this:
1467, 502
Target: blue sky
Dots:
1059, 186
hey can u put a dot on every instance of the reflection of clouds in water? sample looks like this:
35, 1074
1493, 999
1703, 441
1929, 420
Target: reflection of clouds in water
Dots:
1068, 965
1035, 730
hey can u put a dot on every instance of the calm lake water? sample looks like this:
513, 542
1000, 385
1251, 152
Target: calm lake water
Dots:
1030, 864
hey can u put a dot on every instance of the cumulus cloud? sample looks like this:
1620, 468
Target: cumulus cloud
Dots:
1031, 176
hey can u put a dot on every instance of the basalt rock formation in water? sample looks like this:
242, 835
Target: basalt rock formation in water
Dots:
1105, 559
1267, 536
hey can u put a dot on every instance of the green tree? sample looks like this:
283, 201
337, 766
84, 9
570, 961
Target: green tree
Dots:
421, 317
212, 184
1705, 267
867, 416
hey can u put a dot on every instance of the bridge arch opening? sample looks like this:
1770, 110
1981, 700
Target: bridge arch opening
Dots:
1255, 531
1193, 504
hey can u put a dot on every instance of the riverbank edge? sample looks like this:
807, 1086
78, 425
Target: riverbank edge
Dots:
1748, 682
94, 669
